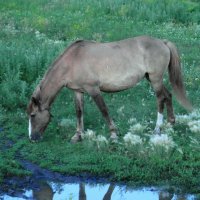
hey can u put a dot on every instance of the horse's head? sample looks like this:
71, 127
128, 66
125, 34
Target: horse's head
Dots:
39, 118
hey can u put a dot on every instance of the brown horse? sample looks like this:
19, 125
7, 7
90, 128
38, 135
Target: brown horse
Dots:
90, 67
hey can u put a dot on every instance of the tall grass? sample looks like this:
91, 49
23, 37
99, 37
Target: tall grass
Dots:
75, 18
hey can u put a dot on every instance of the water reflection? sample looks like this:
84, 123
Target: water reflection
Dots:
82, 194
45, 192
91, 191
82, 191
47, 185
107, 196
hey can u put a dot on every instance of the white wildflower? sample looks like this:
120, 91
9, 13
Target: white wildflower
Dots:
162, 140
10, 28
136, 128
120, 110
182, 118
194, 126
58, 42
192, 120
195, 115
39, 35
101, 139
132, 120
132, 139
42, 36
90, 135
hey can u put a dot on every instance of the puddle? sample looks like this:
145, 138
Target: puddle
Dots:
83, 191
46, 185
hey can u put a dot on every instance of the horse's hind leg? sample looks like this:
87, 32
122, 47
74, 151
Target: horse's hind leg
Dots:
168, 102
79, 114
96, 95
163, 97
160, 105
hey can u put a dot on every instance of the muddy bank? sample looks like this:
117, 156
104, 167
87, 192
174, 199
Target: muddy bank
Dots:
16, 186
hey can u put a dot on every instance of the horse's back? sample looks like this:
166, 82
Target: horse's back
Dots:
118, 65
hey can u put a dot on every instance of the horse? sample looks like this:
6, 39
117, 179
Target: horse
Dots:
93, 67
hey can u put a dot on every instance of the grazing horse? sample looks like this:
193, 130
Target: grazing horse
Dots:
91, 67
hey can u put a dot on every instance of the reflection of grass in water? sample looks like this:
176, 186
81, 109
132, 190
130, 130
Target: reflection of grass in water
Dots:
31, 41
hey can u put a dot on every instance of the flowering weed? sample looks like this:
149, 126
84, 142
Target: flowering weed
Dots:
162, 140
131, 139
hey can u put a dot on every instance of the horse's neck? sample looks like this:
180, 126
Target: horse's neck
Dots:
50, 86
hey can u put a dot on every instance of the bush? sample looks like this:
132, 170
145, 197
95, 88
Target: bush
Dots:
13, 90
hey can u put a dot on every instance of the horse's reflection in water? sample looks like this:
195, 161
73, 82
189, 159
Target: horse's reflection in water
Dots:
46, 192
107, 196
165, 195
82, 194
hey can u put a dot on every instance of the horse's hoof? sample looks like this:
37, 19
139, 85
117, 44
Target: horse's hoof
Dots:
114, 137
76, 138
171, 120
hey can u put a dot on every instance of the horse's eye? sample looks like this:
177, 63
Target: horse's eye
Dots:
32, 115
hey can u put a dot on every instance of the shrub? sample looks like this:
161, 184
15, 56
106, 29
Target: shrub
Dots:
13, 89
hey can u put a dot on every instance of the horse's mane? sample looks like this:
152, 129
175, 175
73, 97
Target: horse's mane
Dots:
36, 93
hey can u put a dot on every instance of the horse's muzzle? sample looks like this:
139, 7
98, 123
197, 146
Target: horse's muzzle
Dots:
35, 137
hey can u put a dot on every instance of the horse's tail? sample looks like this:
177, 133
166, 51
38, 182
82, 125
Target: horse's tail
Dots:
175, 76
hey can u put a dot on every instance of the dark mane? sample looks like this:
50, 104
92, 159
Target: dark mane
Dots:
76, 44
79, 42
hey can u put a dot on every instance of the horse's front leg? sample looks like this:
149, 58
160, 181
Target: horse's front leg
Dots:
96, 95
79, 114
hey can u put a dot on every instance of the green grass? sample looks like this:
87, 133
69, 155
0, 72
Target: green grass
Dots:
34, 33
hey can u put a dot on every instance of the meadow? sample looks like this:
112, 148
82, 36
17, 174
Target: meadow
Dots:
34, 33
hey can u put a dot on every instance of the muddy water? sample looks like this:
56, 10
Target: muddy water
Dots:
45, 185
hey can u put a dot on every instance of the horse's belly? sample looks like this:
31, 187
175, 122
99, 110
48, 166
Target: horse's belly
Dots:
118, 83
